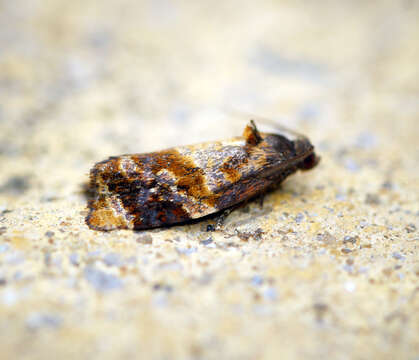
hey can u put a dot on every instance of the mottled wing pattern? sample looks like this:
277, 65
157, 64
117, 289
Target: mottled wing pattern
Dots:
171, 186
144, 190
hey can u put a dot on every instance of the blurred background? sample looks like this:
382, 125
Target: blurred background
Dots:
87, 79
82, 80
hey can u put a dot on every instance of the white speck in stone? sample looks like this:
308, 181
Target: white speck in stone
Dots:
94, 255
340, 197
186, 251
351, 165
71, 282
270, 293
101, 280
366, 140
363, 224
398, 256
56, 261
257, 280
131, 260
14, 258
170, 266
299, 218
350, 286
363, 270
18, 275
401, 276
263, 310
36, 321
112, 259
207, 242
10, 297
74, 259
160, 300
348, 268
4, 247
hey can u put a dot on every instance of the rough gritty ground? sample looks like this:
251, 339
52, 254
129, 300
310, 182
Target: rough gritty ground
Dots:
328, 268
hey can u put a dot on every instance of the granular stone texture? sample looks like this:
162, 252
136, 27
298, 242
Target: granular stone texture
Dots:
328, 265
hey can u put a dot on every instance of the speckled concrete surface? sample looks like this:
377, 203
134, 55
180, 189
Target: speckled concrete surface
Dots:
327, 268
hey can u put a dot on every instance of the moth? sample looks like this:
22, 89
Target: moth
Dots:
142, 191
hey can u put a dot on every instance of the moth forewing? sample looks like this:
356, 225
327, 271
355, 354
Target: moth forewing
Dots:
141, 191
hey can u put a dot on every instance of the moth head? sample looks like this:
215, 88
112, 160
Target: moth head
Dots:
305, 151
